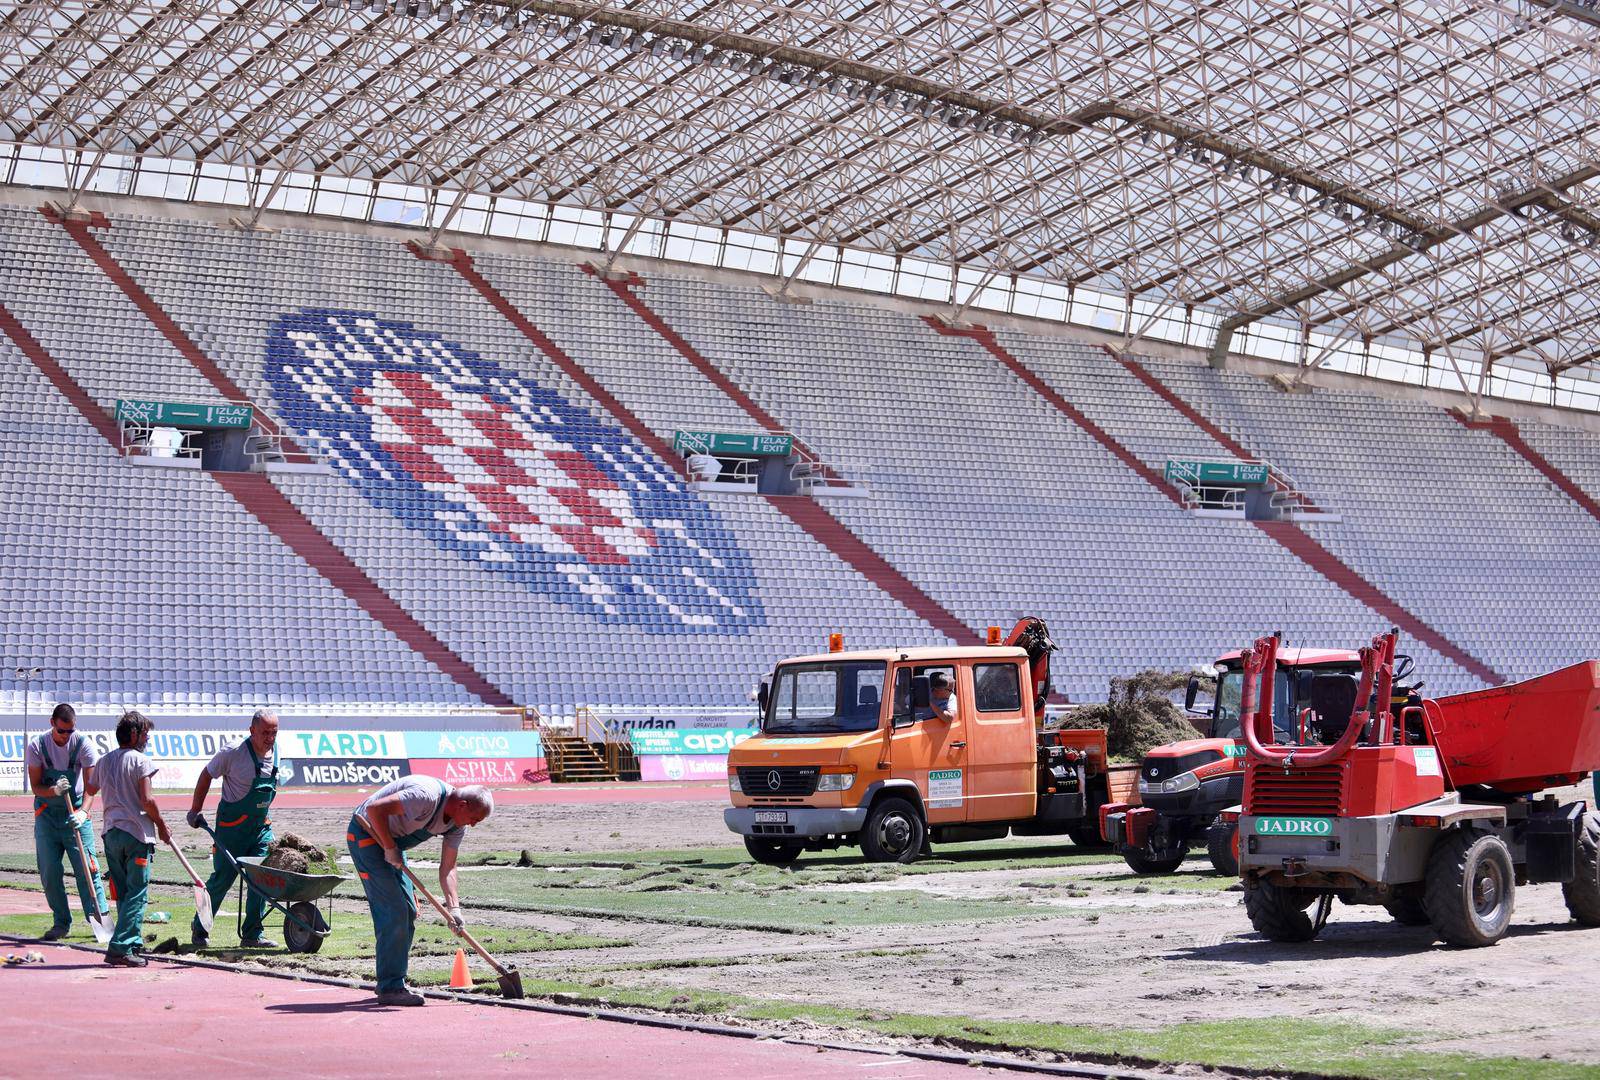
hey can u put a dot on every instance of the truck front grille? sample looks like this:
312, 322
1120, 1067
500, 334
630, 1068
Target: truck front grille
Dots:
1317, 792
787, 780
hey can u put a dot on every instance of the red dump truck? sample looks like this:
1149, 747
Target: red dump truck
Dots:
1431, 809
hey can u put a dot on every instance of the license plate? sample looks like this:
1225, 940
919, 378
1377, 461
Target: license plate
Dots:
772, 817
1294, 826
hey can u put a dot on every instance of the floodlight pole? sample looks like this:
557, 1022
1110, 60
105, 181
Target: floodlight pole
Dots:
26, 675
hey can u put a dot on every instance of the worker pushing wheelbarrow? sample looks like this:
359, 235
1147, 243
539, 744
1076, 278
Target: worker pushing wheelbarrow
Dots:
293, 894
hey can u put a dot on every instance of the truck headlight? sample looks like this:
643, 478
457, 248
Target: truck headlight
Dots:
1186, 782
733, 784
836, 781
1144, 786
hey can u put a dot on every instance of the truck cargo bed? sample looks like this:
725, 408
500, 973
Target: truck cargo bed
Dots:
1524, 736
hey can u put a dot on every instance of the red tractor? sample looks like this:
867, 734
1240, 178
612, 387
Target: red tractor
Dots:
1184, 786
1429, 808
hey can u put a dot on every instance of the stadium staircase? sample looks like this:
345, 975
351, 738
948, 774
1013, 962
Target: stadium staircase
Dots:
573, 760
1288, 535
1505, 429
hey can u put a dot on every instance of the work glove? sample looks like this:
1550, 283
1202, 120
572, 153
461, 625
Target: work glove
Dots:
78, 818
392, 856
457, 923
195, 819
62, 786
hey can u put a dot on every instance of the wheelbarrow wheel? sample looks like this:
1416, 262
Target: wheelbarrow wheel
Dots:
304, 928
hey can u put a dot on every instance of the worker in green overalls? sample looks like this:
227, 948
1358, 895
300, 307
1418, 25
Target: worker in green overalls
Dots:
249, 774
133, 823
391, 821
59, 763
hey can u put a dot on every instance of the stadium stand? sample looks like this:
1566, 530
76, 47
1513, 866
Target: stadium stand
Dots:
982, 493
229, 289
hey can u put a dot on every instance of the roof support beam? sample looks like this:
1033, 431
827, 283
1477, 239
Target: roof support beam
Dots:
1427, 238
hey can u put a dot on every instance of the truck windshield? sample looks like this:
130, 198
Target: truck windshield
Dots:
826, 698
1230, 690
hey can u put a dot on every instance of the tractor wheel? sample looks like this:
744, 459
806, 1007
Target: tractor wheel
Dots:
1279, 912
1087, 837
1142, 862
1222, 844
1583, 891
1470, 889
773, 852
1408, 911
894, 832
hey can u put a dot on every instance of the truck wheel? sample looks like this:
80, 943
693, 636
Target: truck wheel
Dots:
1407, 911
894, 832
1142, 862
772, 852
1279, 912
1087, 837
1222, 844
1583, 891
1470, 888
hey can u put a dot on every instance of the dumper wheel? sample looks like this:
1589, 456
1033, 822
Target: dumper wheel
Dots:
1408, 911
1583, 891
1279, 913
304, 928
1222, 844
773, 852
1470, 889
894, 832
1143, 862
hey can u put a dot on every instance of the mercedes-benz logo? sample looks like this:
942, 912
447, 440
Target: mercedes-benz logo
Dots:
774, 780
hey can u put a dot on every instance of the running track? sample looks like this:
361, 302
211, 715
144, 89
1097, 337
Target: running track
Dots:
73, 1017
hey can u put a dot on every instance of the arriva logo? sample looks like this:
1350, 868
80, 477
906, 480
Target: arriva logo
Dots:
1294, 826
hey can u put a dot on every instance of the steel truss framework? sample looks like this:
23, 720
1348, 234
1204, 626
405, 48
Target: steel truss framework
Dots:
1419, 172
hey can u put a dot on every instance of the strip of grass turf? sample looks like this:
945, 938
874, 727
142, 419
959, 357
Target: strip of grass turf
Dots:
1328, 1048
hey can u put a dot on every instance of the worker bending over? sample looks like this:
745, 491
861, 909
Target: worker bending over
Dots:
395, 818
249, 774
132, 824
58, 764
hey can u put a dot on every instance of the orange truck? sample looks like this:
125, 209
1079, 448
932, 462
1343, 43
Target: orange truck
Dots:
863, 747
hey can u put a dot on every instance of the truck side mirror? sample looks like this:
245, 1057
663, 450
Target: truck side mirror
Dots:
763, 699
1303, 682
1191, 692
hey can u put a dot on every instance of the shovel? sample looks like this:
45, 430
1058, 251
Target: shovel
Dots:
97, 920
202, 899
510, 979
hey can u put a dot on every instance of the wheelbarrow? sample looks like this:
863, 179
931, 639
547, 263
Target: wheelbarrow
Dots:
295, 895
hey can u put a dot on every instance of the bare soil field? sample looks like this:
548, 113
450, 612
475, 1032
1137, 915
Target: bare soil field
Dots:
652, 905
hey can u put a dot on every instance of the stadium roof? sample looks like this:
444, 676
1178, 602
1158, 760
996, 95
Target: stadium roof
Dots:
1419, 172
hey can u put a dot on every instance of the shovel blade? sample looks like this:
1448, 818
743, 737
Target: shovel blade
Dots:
202, 907
511, 985
101, 927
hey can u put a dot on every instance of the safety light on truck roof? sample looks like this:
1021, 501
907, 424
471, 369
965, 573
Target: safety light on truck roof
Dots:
836, 643
994, 635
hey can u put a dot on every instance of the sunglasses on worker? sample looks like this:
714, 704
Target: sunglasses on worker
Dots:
64, 727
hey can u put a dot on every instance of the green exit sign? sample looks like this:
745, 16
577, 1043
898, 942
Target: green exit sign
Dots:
1215, 473
181, 414
737, 445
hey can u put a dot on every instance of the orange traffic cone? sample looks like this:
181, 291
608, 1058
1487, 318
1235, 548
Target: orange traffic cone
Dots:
460, 978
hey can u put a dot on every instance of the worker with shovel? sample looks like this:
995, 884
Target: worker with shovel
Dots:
395, 818
58, 764
132, 823
249, 774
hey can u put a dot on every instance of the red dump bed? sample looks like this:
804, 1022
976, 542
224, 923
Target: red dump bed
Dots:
1525, 736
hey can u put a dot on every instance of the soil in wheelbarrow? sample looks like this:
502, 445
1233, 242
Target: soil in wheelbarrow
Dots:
298, 855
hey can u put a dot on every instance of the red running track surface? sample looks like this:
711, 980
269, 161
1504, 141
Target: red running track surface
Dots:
74, 1017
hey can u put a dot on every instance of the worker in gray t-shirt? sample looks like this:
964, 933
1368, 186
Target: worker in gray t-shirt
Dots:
249, 775
57, 763
399, 816
132, 824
